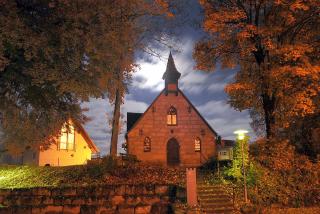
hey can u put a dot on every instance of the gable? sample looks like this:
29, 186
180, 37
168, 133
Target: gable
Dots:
143, 114
186, 99
88, 140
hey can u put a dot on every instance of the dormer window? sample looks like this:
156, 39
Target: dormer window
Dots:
147, 144
172, 116
67, 138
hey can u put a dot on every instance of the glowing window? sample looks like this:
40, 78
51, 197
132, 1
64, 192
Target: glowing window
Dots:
172, 116
197, 145
223, 153
67, 138
147, 145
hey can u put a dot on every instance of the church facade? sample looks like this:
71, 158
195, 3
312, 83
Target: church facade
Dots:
171, 131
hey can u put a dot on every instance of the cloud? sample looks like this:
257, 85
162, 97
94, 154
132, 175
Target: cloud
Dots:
134, 106
226, 126
217, 87
98, 127
149, 76
224, 119
215, 107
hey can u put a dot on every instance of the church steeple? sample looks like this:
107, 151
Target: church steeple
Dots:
171, 76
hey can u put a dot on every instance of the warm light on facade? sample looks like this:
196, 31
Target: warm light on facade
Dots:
240, 134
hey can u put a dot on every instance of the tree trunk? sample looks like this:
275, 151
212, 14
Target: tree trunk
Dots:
115, 124
268, 103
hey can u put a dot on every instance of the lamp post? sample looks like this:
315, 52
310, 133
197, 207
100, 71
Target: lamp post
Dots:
241, 136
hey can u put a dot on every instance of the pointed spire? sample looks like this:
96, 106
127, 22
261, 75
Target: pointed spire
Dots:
172, 74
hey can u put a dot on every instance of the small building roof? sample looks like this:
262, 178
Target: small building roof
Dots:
132, 119
226, 144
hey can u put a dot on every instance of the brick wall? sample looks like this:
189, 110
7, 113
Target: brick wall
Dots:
133, 199
189, 126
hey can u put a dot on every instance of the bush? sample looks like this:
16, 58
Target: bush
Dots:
105, 165
286, 177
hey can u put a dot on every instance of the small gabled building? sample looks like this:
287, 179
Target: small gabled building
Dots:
225, 150
171, 131
72, 147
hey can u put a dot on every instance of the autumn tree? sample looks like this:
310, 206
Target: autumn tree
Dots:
276, 45
134, 30
55, 54
43, 74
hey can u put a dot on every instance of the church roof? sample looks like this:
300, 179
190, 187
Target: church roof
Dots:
132, 119
196, 110
172, 74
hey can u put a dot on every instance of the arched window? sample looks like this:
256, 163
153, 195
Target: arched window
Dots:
147, 144
197, 145
172, 116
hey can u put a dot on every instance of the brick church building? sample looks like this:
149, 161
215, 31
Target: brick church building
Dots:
171, 131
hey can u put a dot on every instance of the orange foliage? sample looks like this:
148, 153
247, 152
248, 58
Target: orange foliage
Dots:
286, 177
56, 54
276, 44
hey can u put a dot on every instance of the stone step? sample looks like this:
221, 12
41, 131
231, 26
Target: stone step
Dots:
211, 188
217, 209
212, 191
211, 185
216, 205
215, 200
214, 195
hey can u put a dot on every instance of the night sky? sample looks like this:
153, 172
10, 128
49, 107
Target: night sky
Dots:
204, 90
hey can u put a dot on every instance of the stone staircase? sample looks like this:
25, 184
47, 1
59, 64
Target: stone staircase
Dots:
214, 198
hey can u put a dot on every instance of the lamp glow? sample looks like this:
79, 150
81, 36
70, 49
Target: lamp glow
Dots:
240, 133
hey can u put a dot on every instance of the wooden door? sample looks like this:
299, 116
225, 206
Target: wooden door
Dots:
173, 152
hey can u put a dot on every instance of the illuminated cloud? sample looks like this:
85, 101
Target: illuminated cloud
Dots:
224, 119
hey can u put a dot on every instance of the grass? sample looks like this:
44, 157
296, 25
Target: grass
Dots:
12, 177
15, 177
28, 176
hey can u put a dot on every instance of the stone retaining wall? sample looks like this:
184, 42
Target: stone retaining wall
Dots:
135, 199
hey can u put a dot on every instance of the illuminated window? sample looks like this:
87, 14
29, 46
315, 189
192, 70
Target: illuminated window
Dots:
67, 138
223, 153
197, 145
147, 144
172, 116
